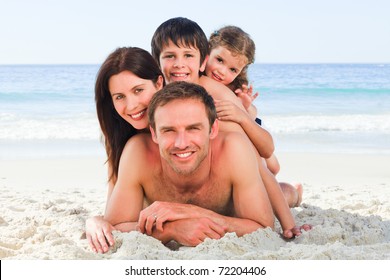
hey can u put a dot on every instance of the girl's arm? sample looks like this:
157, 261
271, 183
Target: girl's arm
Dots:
260, 138
245, 94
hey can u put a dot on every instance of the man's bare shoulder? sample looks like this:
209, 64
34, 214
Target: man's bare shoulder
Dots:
235, 157
231, 144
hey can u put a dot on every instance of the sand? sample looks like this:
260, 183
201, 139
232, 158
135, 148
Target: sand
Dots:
44, 204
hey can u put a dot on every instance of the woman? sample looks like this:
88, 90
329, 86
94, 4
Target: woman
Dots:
125, 83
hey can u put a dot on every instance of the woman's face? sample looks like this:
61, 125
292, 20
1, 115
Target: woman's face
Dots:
131, 96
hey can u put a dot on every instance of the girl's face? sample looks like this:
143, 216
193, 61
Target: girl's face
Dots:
223, 66
131, 96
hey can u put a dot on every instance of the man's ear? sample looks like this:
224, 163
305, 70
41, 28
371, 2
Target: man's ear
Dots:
214, 129
154, 137
203, 66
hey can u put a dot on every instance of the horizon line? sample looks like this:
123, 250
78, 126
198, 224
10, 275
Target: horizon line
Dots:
261, 63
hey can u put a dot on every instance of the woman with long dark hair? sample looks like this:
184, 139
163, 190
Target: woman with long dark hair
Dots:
125, 83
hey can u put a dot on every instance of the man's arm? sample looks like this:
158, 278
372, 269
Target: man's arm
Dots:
173, 212
250, 197
189, 232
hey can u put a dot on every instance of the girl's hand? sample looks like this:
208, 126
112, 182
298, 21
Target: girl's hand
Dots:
246, 95
228, 111
296, 231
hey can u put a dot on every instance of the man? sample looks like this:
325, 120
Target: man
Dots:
187, 181
180, 47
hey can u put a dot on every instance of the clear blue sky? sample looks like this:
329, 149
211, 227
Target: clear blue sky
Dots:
299, 31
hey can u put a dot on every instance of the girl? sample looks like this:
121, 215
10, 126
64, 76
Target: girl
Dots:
231, 52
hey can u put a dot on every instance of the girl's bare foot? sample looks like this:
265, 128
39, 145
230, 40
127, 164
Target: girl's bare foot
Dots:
299, 188
292, 193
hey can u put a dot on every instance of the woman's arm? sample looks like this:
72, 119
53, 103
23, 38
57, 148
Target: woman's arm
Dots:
98, 231
126, 199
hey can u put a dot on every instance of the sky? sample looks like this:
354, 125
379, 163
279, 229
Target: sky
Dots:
299, 31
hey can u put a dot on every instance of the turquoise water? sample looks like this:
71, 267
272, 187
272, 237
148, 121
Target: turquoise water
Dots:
325, 107
49, 110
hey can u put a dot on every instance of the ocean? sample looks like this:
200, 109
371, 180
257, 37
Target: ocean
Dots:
327, 108
49, 110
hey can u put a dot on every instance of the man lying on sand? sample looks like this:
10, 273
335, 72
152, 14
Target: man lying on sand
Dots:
196, 182
187, 181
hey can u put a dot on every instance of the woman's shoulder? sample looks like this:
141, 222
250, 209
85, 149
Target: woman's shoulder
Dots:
139, 143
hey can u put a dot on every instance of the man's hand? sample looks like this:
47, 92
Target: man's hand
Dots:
192, 232
160, 212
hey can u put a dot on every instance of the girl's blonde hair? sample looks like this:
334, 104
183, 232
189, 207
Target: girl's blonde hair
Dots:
237, 42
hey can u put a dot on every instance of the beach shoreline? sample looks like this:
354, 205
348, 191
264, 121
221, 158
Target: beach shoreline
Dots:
346, 198
90, 170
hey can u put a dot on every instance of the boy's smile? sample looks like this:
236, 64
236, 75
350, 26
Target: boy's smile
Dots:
181, 63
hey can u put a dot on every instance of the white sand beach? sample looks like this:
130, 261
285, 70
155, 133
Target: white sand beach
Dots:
44, 204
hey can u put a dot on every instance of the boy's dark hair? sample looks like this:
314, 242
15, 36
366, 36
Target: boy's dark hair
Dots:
180, 91
182, 32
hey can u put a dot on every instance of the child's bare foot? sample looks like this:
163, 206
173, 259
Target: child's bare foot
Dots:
299, 188
292, 193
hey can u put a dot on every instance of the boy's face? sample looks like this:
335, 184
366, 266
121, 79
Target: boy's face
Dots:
181, 63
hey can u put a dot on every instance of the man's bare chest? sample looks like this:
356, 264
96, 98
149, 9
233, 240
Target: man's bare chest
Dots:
213, 195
